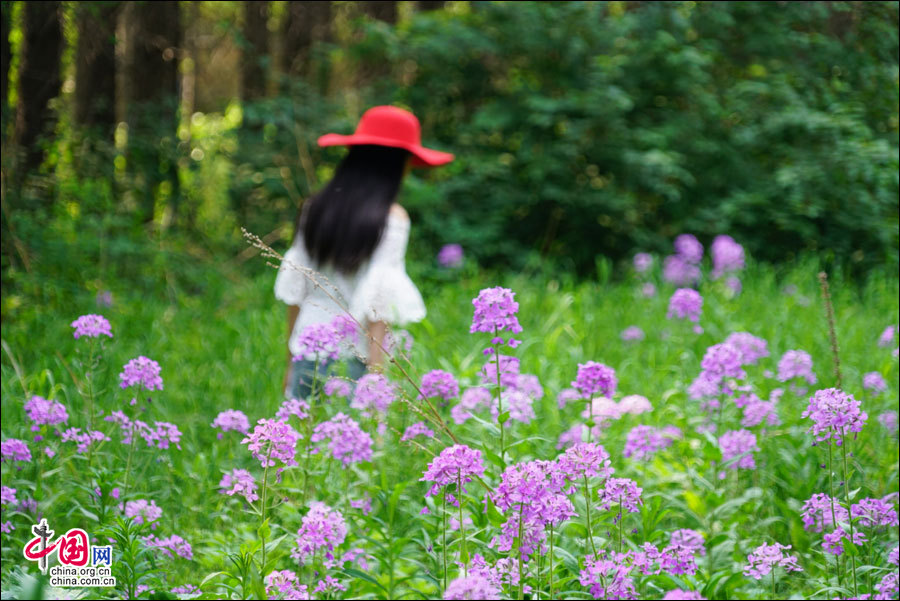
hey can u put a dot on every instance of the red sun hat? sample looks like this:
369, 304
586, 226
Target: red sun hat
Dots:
394, 127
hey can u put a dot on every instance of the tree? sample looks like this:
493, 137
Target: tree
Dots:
255, 50
95, 66
39, 79
426, 5
6, 14
305, 24
153, 35
383, 11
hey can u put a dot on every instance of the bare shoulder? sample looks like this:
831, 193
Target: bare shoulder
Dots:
399, 212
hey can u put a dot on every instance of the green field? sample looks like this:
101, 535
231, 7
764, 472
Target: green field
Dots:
224, 349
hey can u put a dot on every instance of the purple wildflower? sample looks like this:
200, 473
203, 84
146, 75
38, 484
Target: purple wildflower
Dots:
575, 434
338, 387
44, 412
634, 404
143, 373
585, 459
874, 513
453, 465
284, 584
594, 378
92, 326
766, 557
239, 482
373, 393
874, 382
143, 512
495, 311
84, 439
796, 364
642, 442
894, 556
632, 333
567, 395
186, 589
608, 576
270, 440
471, 400
364, 504
689, 248
834, 413
162, 435
643, 262
509, 371
318, 341
439, 383
297, 407
229, 420
7, 495
7, 527
727, 256
396, 341
679, 272
623, 492
888, 421
889, 586
451, 256
833, 542
347, 442
688, 539
750, 347
473, 586
417, 429
167, 546
758, 411
737, 449
685, 303
518, 404
733, 283
529, 384
329, 585
887, 337
816, 512
322, 528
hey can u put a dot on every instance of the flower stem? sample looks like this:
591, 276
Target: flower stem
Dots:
462, 527
774, 596
444, 535
587, 508
519, 549
621, 523
134, 435
499, 401
551, 560
840, 571
90, 399
850, 517
262, 521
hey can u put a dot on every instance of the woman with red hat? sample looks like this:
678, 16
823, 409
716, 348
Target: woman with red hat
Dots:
354, 235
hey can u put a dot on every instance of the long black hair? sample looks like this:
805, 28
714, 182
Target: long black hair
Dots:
344, 221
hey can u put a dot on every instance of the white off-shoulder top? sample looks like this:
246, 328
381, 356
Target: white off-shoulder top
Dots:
380, 290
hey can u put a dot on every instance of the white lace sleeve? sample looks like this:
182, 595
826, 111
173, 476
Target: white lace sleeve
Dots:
385, 292
291, 285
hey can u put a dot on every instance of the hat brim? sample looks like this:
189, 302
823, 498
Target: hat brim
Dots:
421, 156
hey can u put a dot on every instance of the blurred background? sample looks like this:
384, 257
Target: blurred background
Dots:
138, 137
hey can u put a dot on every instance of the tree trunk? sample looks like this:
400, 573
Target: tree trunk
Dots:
426, 5
306, 24
383, 11
154, 35
39, 79
6, 14
255, 47
95, 66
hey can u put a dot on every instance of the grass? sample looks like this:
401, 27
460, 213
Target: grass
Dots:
224, 349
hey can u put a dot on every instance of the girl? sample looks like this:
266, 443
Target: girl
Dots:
354, 234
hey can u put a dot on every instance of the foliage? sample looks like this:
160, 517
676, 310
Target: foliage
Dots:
224, 349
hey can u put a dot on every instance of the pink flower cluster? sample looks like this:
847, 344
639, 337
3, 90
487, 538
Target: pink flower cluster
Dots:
441, 384
84, 439
457, 464
270, 440
373, 393
642, 442
229, 420
796, 364
143, 373
143, 512
322, 529
595, 378
766, 557
727, 256
417, 429
451, 256
43, 412
737, 448
495, 312
92, 326
685, 303
834, 414
347, 442
239, 482
173, 544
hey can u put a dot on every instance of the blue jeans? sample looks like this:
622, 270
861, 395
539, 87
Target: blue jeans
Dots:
303, 372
